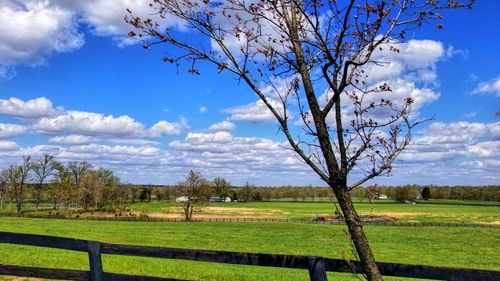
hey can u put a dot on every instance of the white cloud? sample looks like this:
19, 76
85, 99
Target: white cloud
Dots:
485, 149
165, 128
31, 109
457, 140
131, 151
107, 17
459, 132
88, 123
8, 146
256, 112
78, 127
11, 130
72, 139
492, 86
134, 141
203, 109
221, 152
416, 60
31, 30
222, 126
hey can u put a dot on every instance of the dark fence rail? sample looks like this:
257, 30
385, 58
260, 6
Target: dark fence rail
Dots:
274, 220
317, 266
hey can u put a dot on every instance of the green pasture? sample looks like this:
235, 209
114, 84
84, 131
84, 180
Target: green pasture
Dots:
438, 246
428, 211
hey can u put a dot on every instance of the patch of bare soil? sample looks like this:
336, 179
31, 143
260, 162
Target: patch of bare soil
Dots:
364, 218
220, 213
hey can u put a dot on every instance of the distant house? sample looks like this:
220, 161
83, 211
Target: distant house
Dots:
182, 199
382, 196
220, 199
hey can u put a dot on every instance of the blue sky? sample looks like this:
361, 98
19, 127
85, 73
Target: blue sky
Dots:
72, 87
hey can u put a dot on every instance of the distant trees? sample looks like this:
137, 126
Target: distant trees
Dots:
372, 193
221, 187
60, 189
60, 184
245, 193
78, 171
426, 193
404, 194
18, 177
4, 186
42, 169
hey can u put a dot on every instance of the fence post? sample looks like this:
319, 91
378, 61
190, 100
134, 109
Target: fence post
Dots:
317, 270
95, 261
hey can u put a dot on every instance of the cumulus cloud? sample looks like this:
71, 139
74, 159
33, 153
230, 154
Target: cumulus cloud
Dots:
72, 139
256, 112
222, 126
96, 124
78, 127
221, 151
459, 132
8, 146
490, 87
457, 140
485, 149
89, 123
31, 30
416, 59
165, 128
30, 109
11, 130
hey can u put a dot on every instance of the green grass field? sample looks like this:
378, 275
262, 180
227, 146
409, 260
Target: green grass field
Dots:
439, 246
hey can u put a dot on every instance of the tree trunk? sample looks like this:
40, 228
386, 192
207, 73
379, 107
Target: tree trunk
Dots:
38, 195
357, 234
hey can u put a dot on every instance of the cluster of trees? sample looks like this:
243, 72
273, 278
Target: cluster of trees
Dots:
413, 192
46, 179
245, 193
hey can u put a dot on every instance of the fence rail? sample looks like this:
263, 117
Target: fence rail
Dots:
317, 266
273, 220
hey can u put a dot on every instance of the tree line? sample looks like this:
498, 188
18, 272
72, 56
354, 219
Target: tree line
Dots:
74, 183
78, 184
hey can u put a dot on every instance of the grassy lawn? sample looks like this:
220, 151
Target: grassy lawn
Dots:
439, 246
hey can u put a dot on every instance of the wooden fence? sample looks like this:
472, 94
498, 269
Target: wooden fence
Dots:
317, 266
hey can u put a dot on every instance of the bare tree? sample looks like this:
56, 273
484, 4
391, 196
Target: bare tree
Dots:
196, 191
296, 47
245, 192
18, 177
4, 186
221, 188
60, 189
42, 169
89, 188
78, 170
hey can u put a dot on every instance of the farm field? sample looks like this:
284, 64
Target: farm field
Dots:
442, 211
438, 246
457, 212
